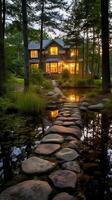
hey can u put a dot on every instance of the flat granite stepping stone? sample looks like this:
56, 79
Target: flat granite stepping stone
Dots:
53, 138
72, 165
63, 196
37, 165
74, 144
68, 123
32, 189
67, 154
58, 122
63, 179
47, 149
65, 131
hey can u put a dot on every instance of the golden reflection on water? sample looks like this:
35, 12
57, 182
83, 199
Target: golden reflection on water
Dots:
74, 98
54, 114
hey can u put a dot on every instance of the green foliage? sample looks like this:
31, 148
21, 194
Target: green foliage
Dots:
39, 78
30, 103
84, 82
65, 74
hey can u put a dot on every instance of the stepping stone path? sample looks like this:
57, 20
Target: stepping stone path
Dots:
55, 161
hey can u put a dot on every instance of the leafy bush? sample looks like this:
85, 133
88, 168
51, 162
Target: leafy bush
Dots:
36, 76
84, 82
65, 74
30, 103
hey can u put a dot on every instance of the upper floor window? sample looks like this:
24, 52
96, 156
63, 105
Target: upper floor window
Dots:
73, 52
33, 54
54, 51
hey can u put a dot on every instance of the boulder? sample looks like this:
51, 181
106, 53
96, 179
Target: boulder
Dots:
53, 138
63, 179
37, 165
63, 196
47, 149
65, 130
67, 154
32, 189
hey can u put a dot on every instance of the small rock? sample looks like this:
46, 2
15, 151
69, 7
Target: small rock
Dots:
47, 149
67, 154
63, 179
33, 190
72, 165
53, 138
50, 93
58, 122
63, 196
96, 107
37, 165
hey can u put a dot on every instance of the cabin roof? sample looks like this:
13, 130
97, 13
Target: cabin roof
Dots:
36, 45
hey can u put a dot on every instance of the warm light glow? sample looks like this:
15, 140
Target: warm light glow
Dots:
33, 54
74, 52
54, 114
54, 51
74, 98
52, 67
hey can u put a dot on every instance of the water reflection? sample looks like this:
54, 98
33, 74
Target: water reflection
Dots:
54, 114
97, 142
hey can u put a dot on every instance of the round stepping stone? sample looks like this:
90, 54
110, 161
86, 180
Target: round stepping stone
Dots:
72, 165
63, 196
58, 122
32, 190
65, 130
47, 149
68, 123
53, 138
37, 165
67, 154
63, 179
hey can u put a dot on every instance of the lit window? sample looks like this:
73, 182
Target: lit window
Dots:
33, 54
54, 51
54, 67
47, 68
34, 65
77, 68
74, 52
72, 68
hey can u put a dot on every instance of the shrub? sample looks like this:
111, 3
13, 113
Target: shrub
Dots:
36, 76
65, 74
84, 82
30, 103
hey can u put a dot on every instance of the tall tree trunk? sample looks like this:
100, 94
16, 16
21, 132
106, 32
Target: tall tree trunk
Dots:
2, 51
41, 34
25, 39
105, 47
93, 68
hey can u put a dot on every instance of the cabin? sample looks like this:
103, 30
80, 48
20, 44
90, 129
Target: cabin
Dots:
56, 57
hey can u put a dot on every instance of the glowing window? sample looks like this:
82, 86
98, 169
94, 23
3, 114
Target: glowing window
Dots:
72, 68
54, 51
54, 67
77, 68
74, 52
47, 68
33, 54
